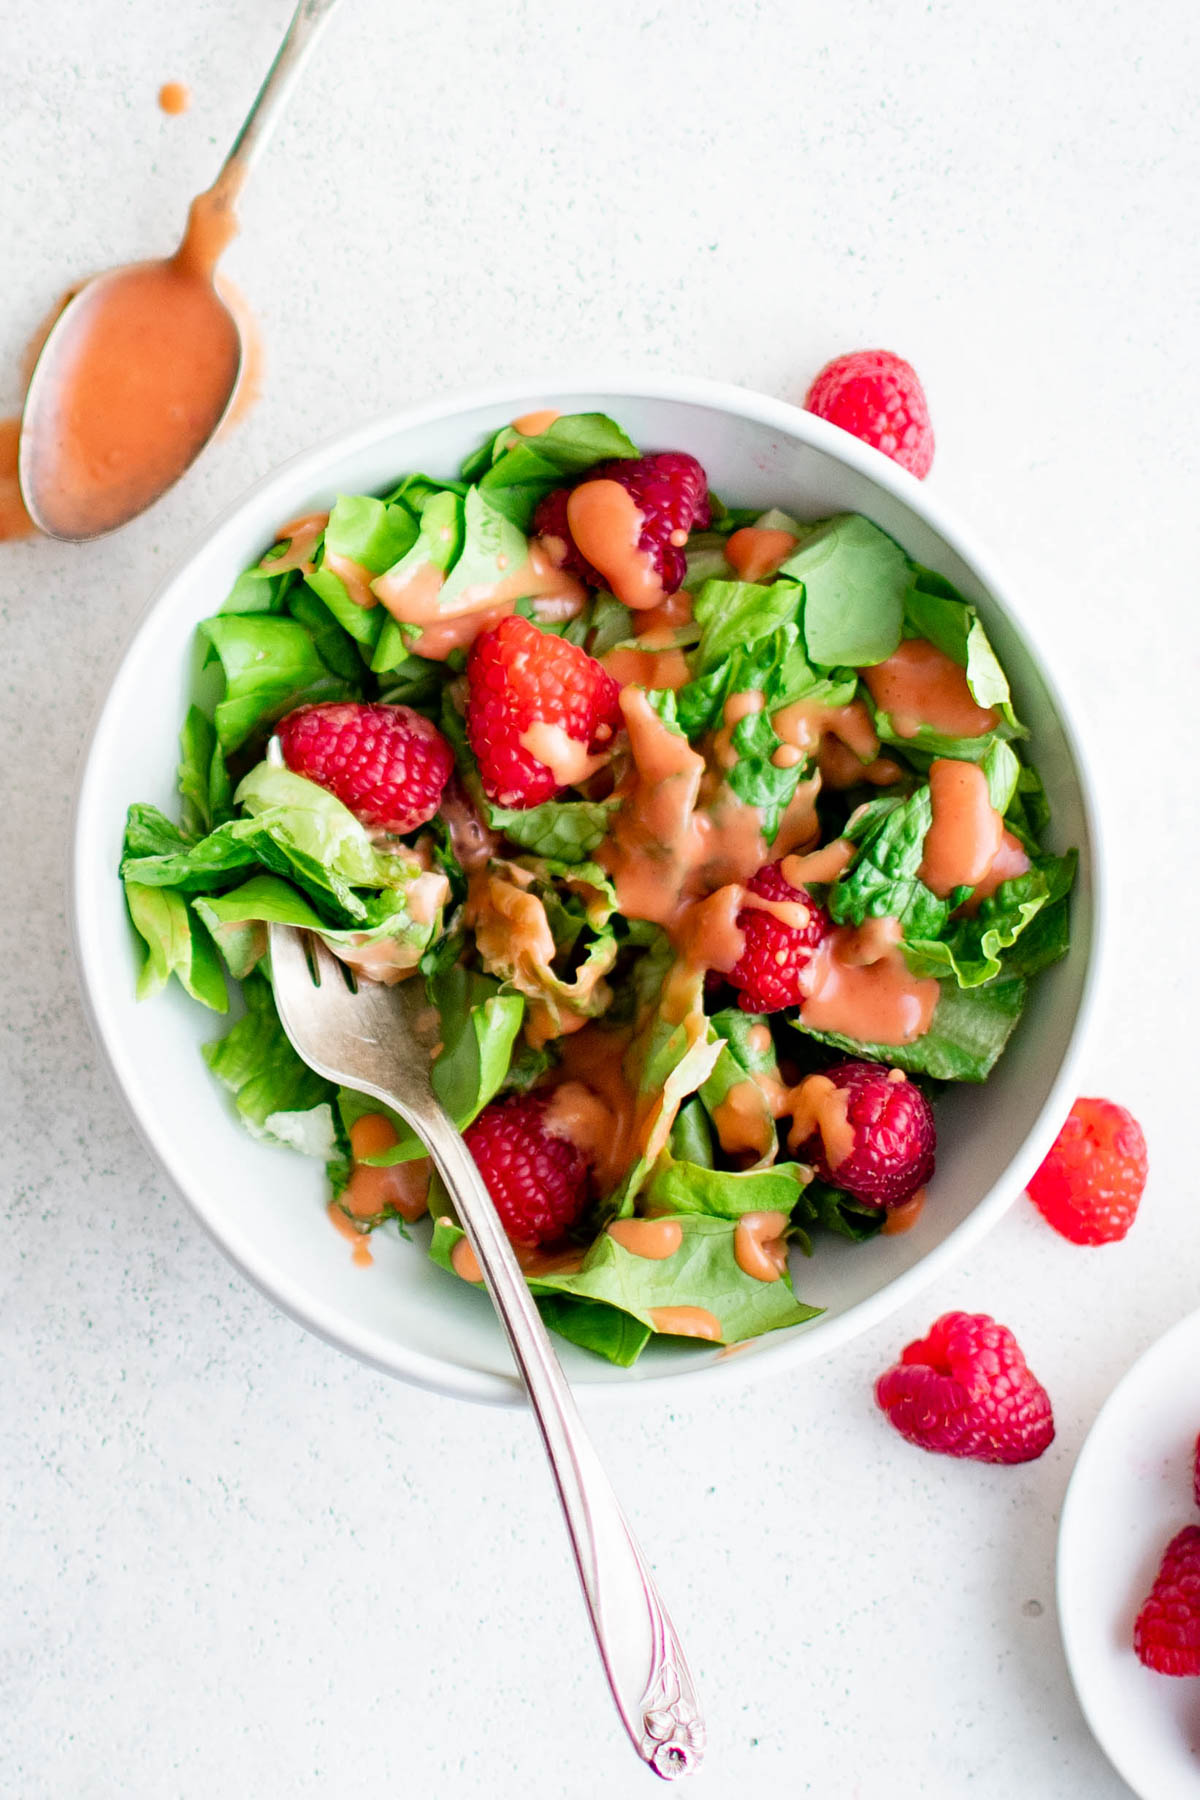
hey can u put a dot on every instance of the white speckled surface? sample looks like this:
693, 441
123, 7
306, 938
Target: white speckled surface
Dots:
237, 1563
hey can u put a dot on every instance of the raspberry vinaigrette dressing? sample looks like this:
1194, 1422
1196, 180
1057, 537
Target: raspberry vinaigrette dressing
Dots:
920, 685
140, 380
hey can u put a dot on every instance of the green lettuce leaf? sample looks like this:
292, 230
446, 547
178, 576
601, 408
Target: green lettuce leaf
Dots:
438, 542
174, 945
833, 1209
934, 609
270, 666
972, 952
882, 882
277, 1096
327, 848
337, 647
573, 929
683, 1187
568, 830
595, 1326
969, 1029
390, 942
671, 1056
691, 1137
516, 472
203, 778
735, 615
855, 580
492, 548
740, 1060
295, 829
703, 1272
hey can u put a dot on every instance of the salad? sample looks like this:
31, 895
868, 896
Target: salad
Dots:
712, 833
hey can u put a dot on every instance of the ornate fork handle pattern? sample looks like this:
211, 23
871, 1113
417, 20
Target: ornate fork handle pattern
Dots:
641, 1652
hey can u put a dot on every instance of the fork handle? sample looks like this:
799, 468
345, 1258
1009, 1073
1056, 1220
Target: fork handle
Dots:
638, 1645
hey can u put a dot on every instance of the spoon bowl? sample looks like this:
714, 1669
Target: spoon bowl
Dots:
131, 383
142, 364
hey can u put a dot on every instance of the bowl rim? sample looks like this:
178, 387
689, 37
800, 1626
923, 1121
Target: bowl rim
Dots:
313, 463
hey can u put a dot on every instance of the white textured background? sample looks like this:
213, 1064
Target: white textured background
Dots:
236, 1563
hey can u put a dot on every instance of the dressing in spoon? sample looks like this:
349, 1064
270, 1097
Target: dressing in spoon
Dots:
142, 363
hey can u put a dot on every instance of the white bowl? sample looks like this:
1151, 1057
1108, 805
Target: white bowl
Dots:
264, 1205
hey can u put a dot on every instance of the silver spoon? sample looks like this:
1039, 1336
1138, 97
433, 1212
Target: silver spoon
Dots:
379, 1041
142, 363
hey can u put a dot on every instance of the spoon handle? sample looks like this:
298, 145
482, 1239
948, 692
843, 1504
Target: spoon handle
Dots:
642, 1655
308, 21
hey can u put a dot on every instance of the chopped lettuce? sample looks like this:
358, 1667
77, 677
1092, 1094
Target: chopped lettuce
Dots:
743, 1058
973, 951
277, 1096
683, 1187
518, 954
704, 1272
391, 942
968, 1031
855, 580
934, 609
204, 785
270, 666
516, 472
672, 1054
833, 1209
567, 830
174, 945
293, 828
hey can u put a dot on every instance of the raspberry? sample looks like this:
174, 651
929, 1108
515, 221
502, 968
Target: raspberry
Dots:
1167, 1633
966, 1390
777, 950
537, 1179
388, 764
1091, 1183
894, 1135
519, 677
1196, 1474
877, 397
671, 492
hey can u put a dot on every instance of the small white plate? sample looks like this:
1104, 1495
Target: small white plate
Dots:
1130, 1493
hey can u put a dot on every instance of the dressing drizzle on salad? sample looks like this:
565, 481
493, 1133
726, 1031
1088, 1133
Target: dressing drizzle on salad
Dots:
810, 705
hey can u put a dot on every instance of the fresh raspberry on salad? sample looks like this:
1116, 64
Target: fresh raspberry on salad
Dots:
1091, 1183
778, 949
670, 491
878, 398
537, 1179
894, 1135
1166, 1635
537, 707
388, 764
966, 1390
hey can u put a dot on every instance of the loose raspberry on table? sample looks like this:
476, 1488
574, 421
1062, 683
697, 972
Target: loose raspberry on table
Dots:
966, 1390
777, 950
388, 764
877, 397
894, 1135
1167, 1633
1090, 1185
519, 677
670, 490
537, 1179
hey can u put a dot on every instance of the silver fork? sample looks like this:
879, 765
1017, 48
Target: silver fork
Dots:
379, 1040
